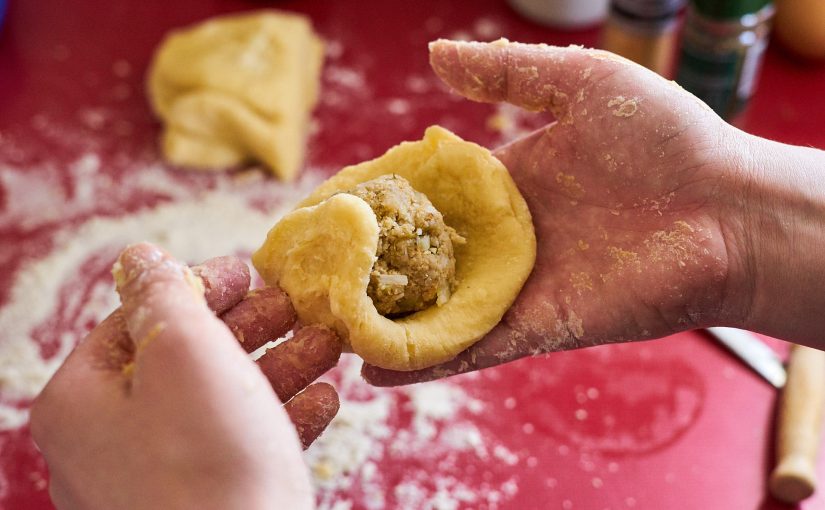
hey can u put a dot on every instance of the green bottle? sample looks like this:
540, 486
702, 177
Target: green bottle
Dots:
722, 48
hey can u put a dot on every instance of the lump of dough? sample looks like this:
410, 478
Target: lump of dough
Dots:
415, 266
323, 253
237, 88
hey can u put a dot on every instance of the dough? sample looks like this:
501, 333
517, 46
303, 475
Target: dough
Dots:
237, 88
416, 265
322, 254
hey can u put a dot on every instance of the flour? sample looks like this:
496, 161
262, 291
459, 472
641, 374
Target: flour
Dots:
398, 106
63, 288
370, 431
486, 29
214, 222
346, 77
232, 215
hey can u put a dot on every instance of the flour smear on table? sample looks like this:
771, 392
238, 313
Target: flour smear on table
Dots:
71, 217
233, 218
210, 223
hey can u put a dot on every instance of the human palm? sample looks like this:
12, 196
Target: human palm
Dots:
624, 189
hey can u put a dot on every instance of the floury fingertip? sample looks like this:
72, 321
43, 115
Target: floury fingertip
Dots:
133, 260
139, 259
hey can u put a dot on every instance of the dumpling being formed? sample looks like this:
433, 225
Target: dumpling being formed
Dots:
325, 253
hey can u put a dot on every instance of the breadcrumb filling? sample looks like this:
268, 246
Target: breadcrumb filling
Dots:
415, 268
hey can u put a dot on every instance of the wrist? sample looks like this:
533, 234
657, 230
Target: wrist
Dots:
251, 499
777, 231
221, 491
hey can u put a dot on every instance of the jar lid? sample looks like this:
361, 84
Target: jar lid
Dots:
728, 9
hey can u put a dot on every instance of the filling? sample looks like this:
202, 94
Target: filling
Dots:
416, 263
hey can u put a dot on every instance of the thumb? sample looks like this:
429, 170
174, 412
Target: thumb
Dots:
535, 77
166, 314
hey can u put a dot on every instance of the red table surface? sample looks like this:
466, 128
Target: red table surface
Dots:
697, 431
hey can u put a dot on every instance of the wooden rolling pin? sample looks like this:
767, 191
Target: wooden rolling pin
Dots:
799, 426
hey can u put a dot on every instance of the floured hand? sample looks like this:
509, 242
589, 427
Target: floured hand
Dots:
631, 196
159, 407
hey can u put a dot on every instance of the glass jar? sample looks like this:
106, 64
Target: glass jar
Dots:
643, 31
722, 49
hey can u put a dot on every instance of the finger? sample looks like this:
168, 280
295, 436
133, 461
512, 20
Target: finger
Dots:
225, 281
84, 376
300, 360
167, 317
263, 315
521, 151
312, 410
531, 76
108, 349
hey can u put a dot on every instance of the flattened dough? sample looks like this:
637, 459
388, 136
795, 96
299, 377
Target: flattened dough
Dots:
321, 254
237, 88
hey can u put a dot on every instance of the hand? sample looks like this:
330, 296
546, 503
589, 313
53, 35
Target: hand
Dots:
631, 192
159, 407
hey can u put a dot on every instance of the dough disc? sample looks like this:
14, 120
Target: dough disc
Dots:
237, 88
321, 254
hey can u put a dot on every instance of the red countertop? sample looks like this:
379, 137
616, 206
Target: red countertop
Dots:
675, 423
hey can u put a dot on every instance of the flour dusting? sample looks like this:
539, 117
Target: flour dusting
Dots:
211, 223
58, 295
427, 427
76, 190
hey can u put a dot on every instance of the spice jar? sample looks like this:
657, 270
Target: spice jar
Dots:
723, 45
643, 31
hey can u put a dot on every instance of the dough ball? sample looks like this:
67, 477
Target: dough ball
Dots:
237, 89
416, 264
324, 254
